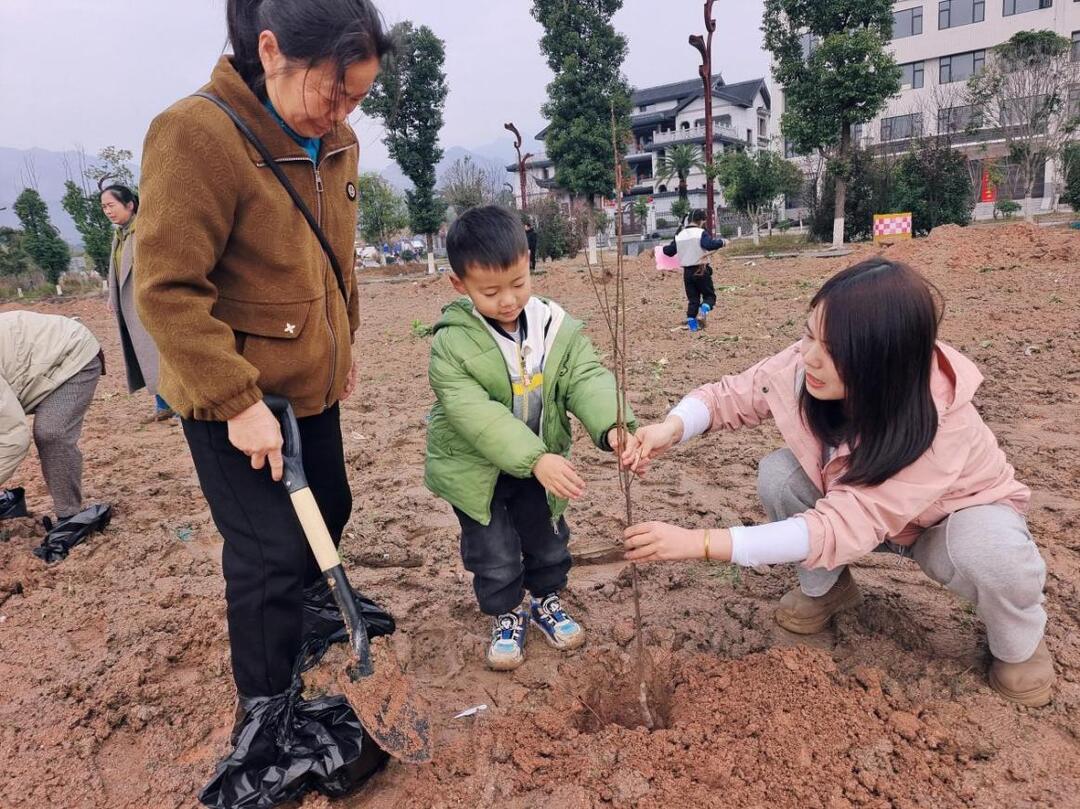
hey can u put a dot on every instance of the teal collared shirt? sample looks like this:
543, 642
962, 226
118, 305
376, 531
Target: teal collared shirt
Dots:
309, 145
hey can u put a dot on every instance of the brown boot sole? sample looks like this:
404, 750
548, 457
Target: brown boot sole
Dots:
1033, 698
811, 625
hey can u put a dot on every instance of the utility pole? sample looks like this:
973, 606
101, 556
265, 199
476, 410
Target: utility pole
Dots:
522, 160
704, 47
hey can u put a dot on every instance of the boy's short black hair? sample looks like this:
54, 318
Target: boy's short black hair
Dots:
697, 215
491, 237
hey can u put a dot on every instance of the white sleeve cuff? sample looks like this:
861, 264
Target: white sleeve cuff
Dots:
774, 543
695, 416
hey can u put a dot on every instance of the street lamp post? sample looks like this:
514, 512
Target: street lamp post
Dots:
704, 47
522, 160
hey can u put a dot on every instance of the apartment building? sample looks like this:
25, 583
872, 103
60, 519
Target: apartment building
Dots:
666, 116
939, 44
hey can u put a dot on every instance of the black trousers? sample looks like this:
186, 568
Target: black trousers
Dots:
699, 288
266, 560
520, 549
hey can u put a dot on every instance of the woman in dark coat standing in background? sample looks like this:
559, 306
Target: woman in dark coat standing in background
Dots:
121, 207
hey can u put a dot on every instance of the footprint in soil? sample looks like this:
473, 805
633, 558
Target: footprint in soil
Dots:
433, 654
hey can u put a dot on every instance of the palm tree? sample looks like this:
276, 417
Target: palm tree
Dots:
681, 161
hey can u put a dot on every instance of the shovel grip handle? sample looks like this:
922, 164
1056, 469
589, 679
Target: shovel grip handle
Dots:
291, 455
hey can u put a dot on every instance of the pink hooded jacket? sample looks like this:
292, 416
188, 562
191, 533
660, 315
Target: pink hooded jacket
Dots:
963, 467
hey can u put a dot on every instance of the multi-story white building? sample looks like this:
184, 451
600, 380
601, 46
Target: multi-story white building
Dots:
940, 44
668, 115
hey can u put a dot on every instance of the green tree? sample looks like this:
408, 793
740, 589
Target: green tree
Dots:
680, 209
831, 60
932, 181
554, 235
680, 161
82, 201
41, 239
752, 184
1070, 160
869, 191
14, 259
408, 96
1024, 93
586, 54
382, 210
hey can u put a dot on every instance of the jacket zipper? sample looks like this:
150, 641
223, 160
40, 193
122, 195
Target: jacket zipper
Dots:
326, 261
525, 381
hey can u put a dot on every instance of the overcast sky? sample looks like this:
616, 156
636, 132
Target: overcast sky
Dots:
92, 73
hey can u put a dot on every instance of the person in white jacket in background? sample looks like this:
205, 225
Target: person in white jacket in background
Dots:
49, 368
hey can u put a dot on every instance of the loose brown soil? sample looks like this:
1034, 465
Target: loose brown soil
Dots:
114, 663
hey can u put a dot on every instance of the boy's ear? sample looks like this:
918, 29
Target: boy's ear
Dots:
457, 283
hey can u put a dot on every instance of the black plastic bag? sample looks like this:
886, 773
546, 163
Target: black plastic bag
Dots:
287, 746
323, 624
12, 503
66, 534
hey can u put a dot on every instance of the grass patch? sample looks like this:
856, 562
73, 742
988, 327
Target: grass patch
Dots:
783, 243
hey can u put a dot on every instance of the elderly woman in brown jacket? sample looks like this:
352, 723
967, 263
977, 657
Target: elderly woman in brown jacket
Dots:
242, 300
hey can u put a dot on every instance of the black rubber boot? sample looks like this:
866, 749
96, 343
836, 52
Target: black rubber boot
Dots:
12, 503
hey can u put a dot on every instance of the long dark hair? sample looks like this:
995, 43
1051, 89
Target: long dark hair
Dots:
309, 31
124, 195
880, 325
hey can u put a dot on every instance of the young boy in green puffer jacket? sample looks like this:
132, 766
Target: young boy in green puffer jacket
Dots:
507, 368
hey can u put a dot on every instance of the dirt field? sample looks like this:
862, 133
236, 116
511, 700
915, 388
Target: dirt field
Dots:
114, 664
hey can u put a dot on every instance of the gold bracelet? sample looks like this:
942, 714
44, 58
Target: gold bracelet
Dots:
707, 559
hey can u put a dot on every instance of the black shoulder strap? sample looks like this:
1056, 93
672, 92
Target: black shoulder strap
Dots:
260, 147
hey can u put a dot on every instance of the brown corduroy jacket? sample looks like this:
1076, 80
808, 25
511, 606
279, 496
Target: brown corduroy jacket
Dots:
233, 284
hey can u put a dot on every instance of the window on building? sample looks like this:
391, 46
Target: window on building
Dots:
907, 23
789, 150
808, 42
1076, 46
749, 135
960, 66
913, 75
953, 13
722, 120
685, 125
1023, 6
900, 127
762, 128
952, 120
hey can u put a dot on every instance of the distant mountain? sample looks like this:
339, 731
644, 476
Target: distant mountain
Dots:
51, 169
498, 154
47, 171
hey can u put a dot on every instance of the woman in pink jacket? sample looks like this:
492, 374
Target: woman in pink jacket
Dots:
885, 451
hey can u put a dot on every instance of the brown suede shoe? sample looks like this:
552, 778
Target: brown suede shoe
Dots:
1029, 683
806, 615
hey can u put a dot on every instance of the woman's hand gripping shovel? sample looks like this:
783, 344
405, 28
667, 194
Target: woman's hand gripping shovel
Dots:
380, 693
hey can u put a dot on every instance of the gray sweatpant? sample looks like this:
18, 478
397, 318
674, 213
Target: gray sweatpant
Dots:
983, 553
58, 420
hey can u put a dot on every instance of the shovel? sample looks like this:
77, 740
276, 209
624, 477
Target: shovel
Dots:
375, 686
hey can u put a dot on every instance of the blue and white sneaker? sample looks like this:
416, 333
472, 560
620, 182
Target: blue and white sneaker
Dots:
560, 630
703, 315
691, 323
507, 649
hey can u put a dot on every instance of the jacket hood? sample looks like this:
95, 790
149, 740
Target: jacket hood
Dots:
953, 379
460, 313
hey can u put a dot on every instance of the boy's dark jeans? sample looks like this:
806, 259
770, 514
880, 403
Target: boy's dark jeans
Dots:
699, 288
519, 550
